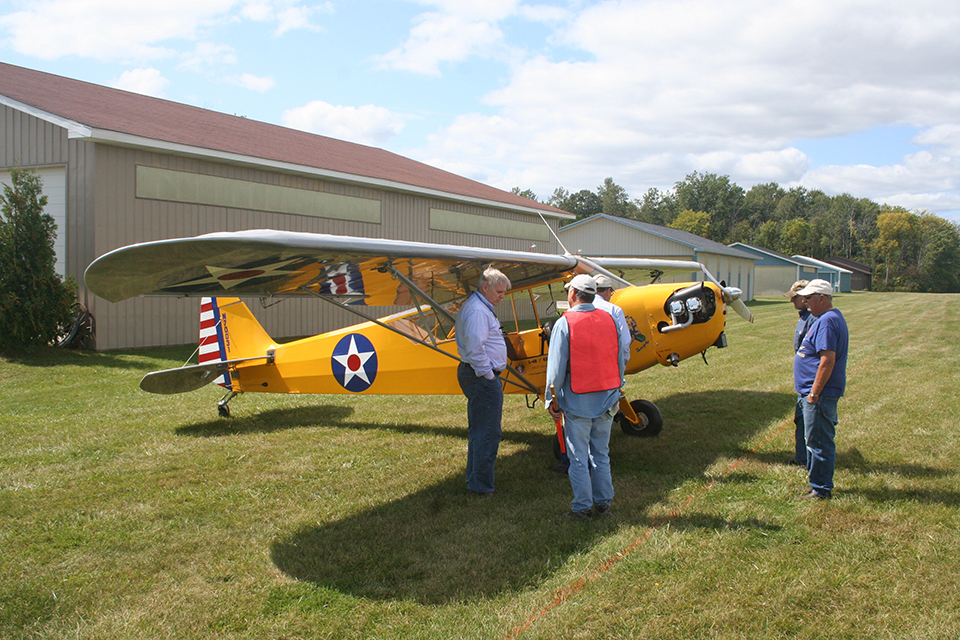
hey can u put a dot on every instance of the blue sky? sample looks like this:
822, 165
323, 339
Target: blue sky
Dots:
846, 96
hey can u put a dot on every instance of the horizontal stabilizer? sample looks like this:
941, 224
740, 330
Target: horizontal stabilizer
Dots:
183, 379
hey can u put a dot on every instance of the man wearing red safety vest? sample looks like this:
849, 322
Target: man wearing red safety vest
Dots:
586, 368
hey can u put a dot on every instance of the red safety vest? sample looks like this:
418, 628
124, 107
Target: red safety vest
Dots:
594, 351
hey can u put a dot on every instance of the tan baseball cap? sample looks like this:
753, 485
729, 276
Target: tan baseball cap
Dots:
799, 284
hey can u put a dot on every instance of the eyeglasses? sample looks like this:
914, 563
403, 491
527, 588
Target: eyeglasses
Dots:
811, 295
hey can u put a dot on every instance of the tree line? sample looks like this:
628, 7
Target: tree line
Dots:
908, 251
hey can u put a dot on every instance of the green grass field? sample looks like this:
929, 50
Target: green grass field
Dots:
127, 515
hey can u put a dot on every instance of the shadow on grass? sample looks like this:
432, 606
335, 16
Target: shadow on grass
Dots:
128, 359
443, 545
269, 422
853, 460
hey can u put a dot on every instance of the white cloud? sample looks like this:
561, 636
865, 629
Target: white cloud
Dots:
252, 82
107, 29
368, 124
288, 14
146, 81
658, 89
439, 38
207, 54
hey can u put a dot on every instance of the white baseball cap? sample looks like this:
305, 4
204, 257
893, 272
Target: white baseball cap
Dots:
584, 283
603, 282
817, 286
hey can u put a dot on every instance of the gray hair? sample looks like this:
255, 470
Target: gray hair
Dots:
493, 277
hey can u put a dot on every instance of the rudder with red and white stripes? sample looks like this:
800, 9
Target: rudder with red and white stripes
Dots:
212, 347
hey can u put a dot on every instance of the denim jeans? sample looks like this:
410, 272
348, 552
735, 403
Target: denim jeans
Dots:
820, 422
484, 412
588, 447
799, 433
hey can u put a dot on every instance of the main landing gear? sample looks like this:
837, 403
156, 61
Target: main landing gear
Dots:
639, 418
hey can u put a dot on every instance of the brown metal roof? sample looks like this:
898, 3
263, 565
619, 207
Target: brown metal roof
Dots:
152, 119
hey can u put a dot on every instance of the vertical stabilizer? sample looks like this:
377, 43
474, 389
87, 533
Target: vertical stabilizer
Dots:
212, 344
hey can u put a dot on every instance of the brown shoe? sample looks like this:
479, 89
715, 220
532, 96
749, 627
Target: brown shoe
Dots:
813, 495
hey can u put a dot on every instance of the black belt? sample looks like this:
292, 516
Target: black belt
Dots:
467, 364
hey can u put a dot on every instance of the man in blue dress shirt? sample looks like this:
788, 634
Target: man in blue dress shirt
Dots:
483, 355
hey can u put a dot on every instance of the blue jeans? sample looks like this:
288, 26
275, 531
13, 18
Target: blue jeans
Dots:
799, 434
484, 412
820, 423
588, 446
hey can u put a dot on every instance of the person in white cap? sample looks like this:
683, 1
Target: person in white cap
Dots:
585, 368
803, 325
820, 376
602, 301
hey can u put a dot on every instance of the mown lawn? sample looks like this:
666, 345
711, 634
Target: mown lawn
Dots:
127, 515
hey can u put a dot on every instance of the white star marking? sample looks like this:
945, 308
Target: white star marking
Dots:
353, 362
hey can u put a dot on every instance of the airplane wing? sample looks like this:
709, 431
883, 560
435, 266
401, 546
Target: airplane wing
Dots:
268, 263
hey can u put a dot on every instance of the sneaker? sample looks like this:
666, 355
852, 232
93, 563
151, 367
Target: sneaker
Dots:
601, 511
814, 495
583, 516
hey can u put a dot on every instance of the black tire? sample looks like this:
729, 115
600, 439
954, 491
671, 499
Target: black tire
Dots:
223, 410
651, 420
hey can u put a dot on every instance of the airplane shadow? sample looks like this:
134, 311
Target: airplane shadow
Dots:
269, 421
442, 544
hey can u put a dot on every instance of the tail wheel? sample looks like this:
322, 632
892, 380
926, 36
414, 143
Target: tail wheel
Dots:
651, 420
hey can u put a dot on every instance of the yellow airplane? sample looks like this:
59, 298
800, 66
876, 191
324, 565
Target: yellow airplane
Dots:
407, 353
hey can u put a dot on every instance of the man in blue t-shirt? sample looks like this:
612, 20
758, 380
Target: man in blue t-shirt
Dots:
819, 377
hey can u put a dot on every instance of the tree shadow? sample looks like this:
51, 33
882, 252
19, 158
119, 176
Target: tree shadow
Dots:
442, 544
133, 360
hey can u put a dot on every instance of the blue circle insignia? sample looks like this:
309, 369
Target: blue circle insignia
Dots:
354, 362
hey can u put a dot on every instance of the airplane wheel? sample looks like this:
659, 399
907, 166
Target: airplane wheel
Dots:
651, 420
223, 410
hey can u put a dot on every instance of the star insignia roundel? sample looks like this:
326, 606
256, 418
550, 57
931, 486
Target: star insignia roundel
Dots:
354, 362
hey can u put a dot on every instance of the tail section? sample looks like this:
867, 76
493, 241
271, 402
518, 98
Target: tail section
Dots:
229, 331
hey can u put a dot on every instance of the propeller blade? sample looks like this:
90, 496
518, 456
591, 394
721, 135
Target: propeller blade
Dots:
742, 310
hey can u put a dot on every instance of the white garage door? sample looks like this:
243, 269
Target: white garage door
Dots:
55, 188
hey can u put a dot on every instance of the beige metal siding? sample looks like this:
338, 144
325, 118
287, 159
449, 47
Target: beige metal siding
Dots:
28, 141
603, 237
772, 281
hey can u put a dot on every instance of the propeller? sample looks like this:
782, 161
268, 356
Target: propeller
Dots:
731, 297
